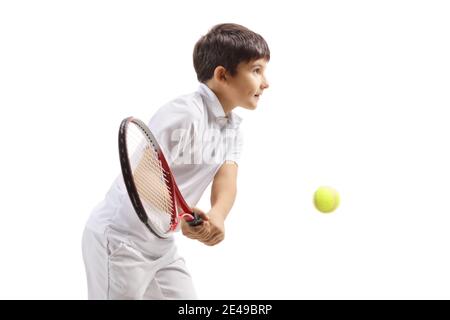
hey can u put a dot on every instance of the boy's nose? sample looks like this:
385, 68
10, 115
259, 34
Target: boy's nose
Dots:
265, 83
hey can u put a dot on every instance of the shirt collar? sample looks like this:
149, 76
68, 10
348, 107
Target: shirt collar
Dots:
213, 103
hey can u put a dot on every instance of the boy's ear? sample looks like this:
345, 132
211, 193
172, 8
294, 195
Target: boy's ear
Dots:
220, 73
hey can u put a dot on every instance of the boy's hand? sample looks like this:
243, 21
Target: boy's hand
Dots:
196, 232
210, 232
216, 229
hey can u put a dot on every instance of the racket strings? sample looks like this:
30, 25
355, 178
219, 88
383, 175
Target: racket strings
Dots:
150, 179
153, 182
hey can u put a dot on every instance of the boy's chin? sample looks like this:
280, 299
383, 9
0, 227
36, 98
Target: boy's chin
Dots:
250, 106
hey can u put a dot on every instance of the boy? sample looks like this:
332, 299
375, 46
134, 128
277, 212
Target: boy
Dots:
200, 135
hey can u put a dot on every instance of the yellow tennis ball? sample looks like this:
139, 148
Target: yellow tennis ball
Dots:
326, 199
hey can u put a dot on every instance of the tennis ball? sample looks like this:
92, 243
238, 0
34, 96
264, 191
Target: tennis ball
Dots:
326, 199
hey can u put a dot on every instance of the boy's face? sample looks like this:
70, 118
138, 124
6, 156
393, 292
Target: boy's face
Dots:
246, 87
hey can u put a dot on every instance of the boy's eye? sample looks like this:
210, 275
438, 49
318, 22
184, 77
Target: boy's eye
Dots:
257, 70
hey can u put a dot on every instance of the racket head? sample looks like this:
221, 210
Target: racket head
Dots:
147, 176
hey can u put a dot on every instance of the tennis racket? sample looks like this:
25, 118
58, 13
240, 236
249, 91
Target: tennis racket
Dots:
149, 181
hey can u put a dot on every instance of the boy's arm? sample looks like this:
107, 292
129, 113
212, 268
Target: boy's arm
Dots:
223, 194
223, 191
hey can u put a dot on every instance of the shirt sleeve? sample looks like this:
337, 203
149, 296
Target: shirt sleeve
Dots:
234, 146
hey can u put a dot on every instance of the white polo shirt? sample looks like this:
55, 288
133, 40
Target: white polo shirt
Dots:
197, 137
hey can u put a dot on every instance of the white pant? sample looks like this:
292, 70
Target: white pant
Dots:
117, 269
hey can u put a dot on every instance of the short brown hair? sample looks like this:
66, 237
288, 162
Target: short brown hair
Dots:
227, 45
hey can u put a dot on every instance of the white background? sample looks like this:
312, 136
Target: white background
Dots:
359, 101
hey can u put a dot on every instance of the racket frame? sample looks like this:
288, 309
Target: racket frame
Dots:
177, 198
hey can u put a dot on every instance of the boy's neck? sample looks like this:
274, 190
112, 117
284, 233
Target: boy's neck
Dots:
226, 104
